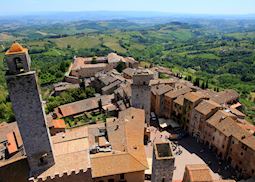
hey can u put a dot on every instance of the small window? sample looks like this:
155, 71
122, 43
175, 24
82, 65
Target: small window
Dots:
213, 138
163, 180
252, 171
241, 153
110, 180
223, 146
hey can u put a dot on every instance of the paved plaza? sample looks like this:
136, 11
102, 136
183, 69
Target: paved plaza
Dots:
189, 151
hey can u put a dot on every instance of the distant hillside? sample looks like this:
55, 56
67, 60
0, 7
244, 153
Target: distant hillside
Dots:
218, 50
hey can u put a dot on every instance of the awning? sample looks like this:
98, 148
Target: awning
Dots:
163, 123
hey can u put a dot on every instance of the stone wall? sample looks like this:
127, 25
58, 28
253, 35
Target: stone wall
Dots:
31, 119
141, 94
162, 167
128, 177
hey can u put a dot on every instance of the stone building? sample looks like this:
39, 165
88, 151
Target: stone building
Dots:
141, 92
178, 109
241, 154
81, 70
200, 114
209, 128
191, 100
119, 155
162, 162
157, 98
128, 73
56, 126
200, 173
231, 142
170, 96
197, 173
58, 88
29, 112
78, 108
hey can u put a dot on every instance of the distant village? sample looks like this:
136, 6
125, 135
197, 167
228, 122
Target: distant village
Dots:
146, 118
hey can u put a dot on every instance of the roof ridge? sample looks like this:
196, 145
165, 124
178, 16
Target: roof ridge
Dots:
146, 166
112, 155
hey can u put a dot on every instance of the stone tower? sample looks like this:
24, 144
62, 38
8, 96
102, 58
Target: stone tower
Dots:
162, 162
29, 112
141, 92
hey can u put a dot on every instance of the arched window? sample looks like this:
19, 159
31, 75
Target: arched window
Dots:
19, 64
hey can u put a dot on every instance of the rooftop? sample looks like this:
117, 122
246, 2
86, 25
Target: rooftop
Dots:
163, 151
114, 58
206, 106
199, 173
193, 96
225, 97
58, 123
80, 62
82, 106
129, 71
71, 153
16, 48
161, 89
162, 81
125, 134
175, 93
179, 100
229, 127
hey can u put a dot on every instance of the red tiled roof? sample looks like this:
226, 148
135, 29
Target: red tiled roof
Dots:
12, 145
82, 106
59, 123
16, 48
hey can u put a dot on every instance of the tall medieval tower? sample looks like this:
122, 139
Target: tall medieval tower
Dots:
162, 162
27, 105
141, 92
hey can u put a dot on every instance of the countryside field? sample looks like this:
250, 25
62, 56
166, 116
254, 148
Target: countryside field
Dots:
220, 53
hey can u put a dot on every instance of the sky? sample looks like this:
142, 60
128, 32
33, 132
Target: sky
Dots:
222, 7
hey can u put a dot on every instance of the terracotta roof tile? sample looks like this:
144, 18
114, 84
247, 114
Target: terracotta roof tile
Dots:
59, 123
82, 106
125, 135
179, 100
193, 96
161, 89
16, 48
229, 127
225, 96
175, 93
206, 106
199, 172
107, 164
12, 145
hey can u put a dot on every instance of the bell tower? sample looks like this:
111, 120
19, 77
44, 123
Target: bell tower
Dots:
28, 109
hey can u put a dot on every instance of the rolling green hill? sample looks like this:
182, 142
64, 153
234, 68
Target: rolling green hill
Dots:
220, 51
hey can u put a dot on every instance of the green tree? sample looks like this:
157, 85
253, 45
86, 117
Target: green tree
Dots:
121, 66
